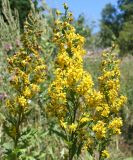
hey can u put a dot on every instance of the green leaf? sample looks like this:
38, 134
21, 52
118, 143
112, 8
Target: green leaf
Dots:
60, 134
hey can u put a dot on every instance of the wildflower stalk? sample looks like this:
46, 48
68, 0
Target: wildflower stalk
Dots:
107, 111
87, 118
27, 71
70, 87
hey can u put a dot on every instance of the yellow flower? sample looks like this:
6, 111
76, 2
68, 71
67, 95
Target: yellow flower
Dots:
85, 84
115, 125
109, 83
35, 88
27, 92
23, 63
63, 124
84, 119
8, 103
104, 109
22, 101
99, 129
88, 144
72, 127
105, 154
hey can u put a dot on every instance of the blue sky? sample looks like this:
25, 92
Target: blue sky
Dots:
91, 8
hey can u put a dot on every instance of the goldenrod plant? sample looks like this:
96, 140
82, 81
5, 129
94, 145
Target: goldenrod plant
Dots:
70, 85
49, 90
87, 118
27, 72
107, 118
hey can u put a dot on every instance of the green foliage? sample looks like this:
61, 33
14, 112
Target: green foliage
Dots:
110, 18
10, 29
125, 39
126, 6
92, 65
106, 36
23, 7
127, 88
110, 25
83, 29
118, 23
30, 144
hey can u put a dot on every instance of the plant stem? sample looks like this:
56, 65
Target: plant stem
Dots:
18, 129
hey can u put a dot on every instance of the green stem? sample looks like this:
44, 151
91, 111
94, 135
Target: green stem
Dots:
18, 129
71, 155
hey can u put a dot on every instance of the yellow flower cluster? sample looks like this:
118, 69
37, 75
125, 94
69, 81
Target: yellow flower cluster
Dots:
72, 127
22, 101
115, 125
105, 154
110, 83
72, 86
27, 70
87, 116
70, 78
106, 120
104, 109
100, 129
